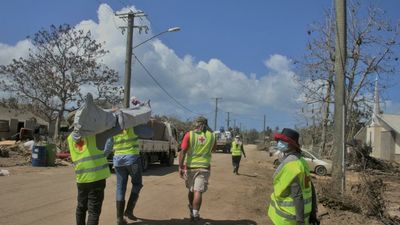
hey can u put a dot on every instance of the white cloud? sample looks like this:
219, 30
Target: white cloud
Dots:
7, 52
193, 83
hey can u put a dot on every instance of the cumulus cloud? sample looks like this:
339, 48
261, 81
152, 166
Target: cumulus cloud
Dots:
193, 83
8, 52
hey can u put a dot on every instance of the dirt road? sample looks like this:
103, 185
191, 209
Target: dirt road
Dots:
47, 196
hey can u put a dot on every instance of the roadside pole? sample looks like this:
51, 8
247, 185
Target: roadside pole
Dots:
340, 107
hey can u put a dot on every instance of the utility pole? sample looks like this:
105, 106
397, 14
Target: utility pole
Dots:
340, 107
264, 126
128, 56
227, 121
234, 123
216, 113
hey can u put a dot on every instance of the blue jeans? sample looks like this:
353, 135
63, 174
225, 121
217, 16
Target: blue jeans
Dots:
123, 172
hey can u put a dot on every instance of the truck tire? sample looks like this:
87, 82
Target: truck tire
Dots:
171, 158
145, 162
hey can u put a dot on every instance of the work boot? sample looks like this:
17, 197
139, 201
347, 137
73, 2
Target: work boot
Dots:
120, 213
131, 205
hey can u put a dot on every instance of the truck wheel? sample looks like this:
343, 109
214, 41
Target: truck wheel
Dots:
145, 162
171, 159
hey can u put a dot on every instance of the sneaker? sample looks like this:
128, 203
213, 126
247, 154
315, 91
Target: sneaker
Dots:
195, 218
190, 212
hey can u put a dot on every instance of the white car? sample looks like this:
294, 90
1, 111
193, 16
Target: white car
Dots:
316, 165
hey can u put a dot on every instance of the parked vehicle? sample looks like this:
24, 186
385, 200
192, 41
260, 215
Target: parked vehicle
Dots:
319, 166
162, 147
224, 140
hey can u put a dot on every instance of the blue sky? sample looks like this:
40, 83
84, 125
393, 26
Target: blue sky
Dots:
241, 51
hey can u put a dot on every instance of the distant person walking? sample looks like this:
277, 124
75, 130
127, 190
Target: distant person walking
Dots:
127, 163
91, 172
197, 146
293, 201
237, 150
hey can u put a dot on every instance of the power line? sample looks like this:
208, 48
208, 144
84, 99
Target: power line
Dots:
162, 88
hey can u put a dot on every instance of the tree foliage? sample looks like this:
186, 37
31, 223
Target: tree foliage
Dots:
63, 65
372, 50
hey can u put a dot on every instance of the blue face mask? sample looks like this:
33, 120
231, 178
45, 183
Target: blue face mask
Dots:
282, 146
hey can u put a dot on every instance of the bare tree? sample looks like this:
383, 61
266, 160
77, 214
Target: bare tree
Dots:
372, 49
63, 65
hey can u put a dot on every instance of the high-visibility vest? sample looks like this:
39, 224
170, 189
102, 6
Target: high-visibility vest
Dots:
89, 162
126, 143
281, 209
236, 148
199, 152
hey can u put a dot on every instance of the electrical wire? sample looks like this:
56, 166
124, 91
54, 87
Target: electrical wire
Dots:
162, 88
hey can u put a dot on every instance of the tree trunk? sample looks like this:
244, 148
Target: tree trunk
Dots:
325, 115
58, 124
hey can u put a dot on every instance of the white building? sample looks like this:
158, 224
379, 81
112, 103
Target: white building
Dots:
382, 133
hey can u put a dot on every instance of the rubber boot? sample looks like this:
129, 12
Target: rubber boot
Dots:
120, 213
131, 206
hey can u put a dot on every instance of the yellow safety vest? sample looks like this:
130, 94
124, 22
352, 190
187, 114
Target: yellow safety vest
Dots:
126, 143
236, 148
199, 152
89, 162
281, 209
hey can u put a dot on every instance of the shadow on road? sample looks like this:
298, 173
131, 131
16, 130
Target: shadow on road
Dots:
160, 170
247, 175
186, 221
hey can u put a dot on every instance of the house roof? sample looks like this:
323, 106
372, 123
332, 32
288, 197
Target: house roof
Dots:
391, 120
21, 115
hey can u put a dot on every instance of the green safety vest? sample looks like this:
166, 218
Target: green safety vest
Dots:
281, 209
236, 149
126, 143
89, 162
199, 152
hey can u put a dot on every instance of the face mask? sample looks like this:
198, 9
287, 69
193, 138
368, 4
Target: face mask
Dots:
282, 146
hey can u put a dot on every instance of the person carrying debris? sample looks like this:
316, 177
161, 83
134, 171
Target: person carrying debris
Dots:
293, 201
127, 163
237, 150
91, 171
197, 146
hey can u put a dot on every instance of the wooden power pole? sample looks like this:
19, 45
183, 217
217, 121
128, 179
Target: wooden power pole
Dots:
340, 104
128, 56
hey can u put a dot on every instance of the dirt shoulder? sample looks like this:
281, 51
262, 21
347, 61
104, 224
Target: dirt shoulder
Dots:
47, 196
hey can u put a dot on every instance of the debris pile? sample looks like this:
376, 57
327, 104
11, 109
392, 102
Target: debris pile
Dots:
364, 197
359, 159
14, 153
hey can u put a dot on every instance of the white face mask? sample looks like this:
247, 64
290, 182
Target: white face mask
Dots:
282, 146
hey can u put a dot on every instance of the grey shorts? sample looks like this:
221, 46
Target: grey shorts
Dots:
197, 179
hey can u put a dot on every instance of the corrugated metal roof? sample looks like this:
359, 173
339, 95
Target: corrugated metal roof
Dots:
392, 121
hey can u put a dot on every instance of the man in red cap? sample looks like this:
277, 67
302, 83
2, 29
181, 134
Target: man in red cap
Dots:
293, 201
